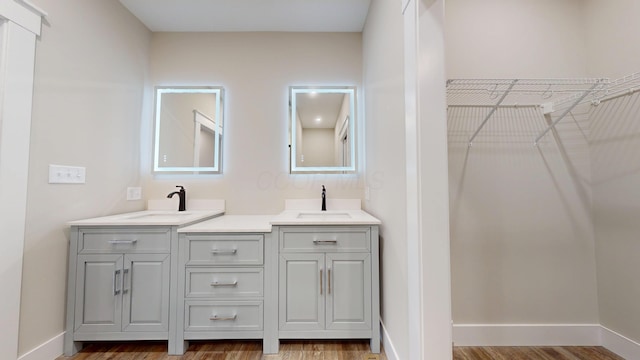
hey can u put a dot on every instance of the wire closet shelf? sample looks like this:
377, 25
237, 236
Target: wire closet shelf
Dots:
553, 96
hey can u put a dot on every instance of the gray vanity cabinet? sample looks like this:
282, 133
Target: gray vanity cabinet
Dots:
325, 292
119, 284
221, 287
328, 282
122, 293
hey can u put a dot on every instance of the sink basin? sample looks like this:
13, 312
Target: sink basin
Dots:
161, 216
324, 215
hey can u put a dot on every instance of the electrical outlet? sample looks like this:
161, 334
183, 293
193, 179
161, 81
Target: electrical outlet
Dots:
367, 193
61, 174
134, 193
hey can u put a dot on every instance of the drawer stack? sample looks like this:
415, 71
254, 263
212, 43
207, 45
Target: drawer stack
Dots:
221, 286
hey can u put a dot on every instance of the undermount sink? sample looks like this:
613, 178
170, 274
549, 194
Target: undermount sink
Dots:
324, 215
161, 215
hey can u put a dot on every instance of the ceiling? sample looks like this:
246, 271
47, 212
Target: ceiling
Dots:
251, 15
319, 111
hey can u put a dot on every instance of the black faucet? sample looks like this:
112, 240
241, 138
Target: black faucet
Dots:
183, 195
324, 199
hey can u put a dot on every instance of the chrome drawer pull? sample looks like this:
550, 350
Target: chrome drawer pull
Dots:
124, 282
218, 284
224, 252
325, 242
223, 318
131, 242
116, 289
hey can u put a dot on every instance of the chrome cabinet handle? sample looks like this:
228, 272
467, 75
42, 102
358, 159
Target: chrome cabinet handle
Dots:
320, 281
219, 284
131, 242
116, 290
325, 242
329, 281
124, 281
223, 318
224, 252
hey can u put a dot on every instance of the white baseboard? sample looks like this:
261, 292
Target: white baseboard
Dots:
468, 335
619, 344
389, 349
50, 350
526, 334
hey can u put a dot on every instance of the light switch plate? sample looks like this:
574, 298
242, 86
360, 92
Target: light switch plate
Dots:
62, 174
134, 193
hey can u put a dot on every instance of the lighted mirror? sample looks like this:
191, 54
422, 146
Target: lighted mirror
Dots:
323, 129
188, 129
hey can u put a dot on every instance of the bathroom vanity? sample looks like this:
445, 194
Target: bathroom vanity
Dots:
328, 275
225, 281
120, 276
302, 274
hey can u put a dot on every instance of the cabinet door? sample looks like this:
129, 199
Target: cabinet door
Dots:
301, 297
145, 292
348, 299
99, 293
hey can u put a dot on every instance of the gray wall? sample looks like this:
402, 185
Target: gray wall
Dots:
615, 155
521, 224
386, 166
532, 228
256, 70
90, 73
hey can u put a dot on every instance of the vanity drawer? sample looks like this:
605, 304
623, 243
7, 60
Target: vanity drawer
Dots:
124, 240
325, 239
223, 315
224, 250
224, 282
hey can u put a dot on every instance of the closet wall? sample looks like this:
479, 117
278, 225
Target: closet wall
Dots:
546, 234
522, 238
615, 159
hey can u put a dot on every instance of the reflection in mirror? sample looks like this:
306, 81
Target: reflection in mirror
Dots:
188, 129
322, 129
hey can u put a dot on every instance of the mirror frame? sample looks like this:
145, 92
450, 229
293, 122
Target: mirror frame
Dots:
217, 130
351, 119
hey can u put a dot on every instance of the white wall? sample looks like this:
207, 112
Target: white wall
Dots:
615, 155
318, 148
256, 70
385, 161
522, 38
90, 72
521, 225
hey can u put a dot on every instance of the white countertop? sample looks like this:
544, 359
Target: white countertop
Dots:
231, 223
149, 217
315, 217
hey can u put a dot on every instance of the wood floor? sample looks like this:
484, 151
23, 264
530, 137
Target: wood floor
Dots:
534, 353
320, 350
230, 350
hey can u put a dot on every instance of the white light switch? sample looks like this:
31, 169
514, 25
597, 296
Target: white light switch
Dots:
134, 193
60, 174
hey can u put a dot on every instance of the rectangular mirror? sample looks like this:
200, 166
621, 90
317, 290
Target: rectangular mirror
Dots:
322, 129
188, 129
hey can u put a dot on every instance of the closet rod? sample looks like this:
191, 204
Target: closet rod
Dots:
494, 108
615, 95
566, 111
